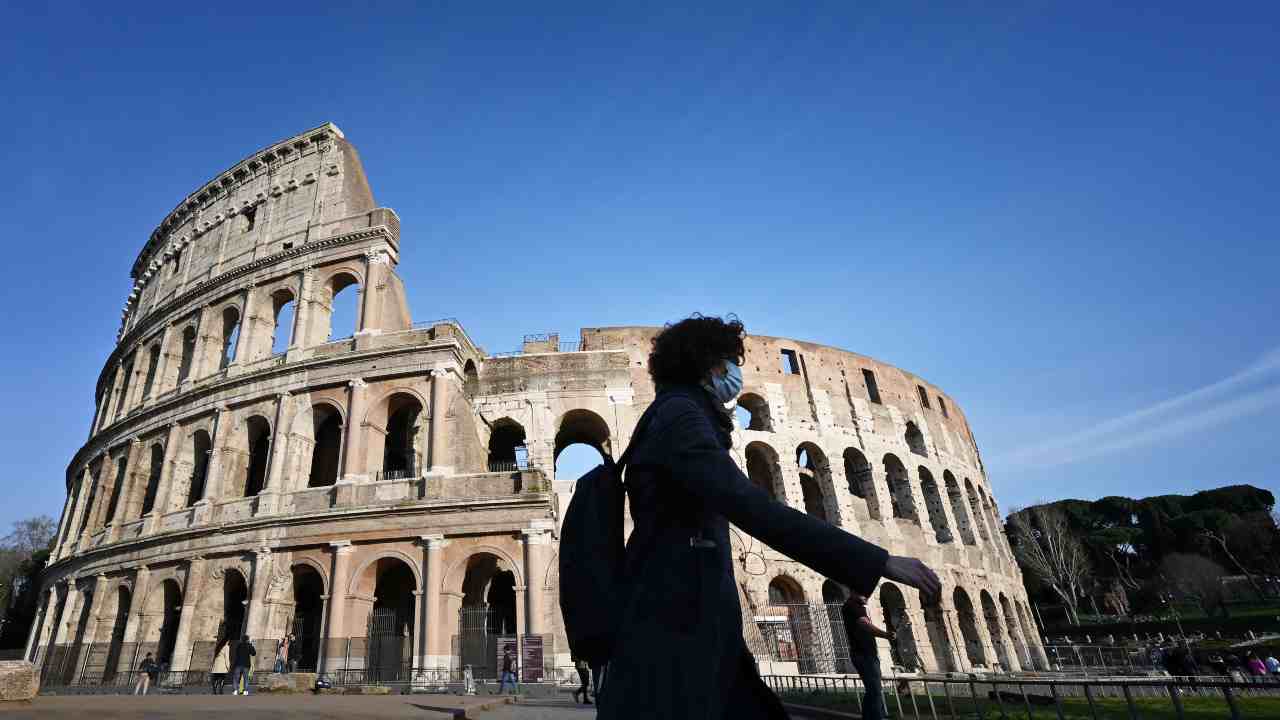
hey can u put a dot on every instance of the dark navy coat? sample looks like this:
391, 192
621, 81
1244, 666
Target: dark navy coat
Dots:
680, 651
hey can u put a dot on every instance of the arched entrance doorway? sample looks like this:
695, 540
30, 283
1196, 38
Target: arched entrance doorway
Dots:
235, 600
833, 597
308, 608
326, 428
120, 619
936, 623
969, 628
763, 469
390, 627
896, 619
405, 440
488, 614
170, 614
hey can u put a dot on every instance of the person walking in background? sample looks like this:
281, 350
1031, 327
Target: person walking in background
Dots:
508, 673
864, 654
679, 651
584, 674
221, 667
147, 672
282, 655
242, 664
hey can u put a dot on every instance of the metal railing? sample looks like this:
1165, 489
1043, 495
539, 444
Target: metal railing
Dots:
1002, 696
400, 474
503, 466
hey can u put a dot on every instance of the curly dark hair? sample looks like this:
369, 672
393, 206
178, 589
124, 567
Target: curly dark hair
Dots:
684, 353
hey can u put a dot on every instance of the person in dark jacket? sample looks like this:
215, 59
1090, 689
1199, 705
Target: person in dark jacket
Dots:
679, 651
242, 660
148, 671
862, 635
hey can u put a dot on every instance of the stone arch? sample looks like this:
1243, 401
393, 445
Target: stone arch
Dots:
815, 483
310, 587
322, 428
118, 615
256, 430
283, 306
188, 351
399, 442
162, 609
862, 483
470, 379
489, 593
582, 426
228, 599
1014, 633
933, 505
368, 569
385, 596
757, 413
764, 470
230, 335
992, 618
506, 445
958, 510
333, 297
978, 518
154, 470
785, 590
897, 618
900, 496
936, 625
968, 621
915, 439
456, 573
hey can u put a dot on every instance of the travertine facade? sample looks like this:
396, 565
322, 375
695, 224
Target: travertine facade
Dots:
246, 471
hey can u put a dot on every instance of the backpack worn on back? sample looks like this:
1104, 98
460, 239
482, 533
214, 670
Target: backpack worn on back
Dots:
591, 557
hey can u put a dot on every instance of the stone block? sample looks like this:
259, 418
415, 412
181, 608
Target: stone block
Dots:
18, 681
287, 683
367, 690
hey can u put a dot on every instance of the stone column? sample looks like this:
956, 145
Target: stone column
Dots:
374, 282
128, 488
353, 446
93, 628
201, 349
69, 612
187, 615
433, 624
268, 499
213, 473
161, 365
39, 635
247, 331
133, 623
537, 543
100, 416
80, 497
439, 412
418, 612
342, 550
302, 314
256, 612
114, 406
522, 620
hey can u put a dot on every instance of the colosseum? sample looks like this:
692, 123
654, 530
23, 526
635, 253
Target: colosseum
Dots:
387, 492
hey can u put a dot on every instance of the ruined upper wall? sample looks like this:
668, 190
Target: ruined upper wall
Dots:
272, 200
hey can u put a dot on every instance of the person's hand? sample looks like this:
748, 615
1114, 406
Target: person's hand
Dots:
910, 571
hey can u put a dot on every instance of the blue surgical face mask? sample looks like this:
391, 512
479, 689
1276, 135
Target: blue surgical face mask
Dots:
726, 387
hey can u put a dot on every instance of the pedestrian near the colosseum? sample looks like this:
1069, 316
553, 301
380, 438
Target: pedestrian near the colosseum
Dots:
147, 672
282, 655
221, 666
679, 650
862, 651
241, 677
584, 674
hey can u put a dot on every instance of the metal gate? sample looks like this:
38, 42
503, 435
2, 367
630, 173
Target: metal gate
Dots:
819, 639
304, 650
477, 642
387, 654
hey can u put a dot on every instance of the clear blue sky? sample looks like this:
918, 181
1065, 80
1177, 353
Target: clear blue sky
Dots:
1063, 214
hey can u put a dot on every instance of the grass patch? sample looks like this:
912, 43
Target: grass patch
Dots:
1196, 708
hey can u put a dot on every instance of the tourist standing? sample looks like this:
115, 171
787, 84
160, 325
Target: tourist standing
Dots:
1257, 668
679, 651
282, 655
584, 674
242, 660
221, 667
508, 673
864, 654
147, 672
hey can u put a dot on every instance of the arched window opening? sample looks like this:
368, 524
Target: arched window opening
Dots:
862, 484
813, 503
230, 336
259, 443
488, 612
124, 599
470, 379
933, 504
283, 308
344, 310
170, 614
897, 620
403, 449
785, 632
753, 413
978, 518
956, 498
201, 451
235, 600
507, 451
327, 424
188, 353
117, 486
153, 479
785, 591
763, 469
580, 427
389, 654
308, 608
815, 475
124, 384
915, 440
94, 472
153, 364
904, 505
969, 628
936, 625
993, 629
1015, 635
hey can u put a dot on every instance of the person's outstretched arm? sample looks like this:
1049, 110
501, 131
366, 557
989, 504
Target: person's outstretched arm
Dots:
698, 463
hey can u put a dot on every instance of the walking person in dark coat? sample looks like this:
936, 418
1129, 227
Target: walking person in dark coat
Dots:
862, 651
148, 670
242, 659
679, 651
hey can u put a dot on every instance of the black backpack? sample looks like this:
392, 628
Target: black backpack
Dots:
592, 595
